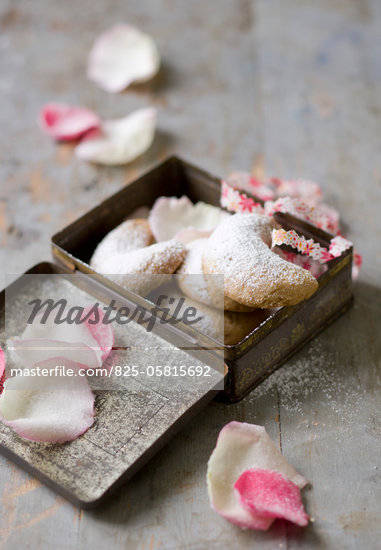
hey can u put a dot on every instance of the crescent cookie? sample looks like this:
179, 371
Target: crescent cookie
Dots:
253, 274
139, 270
207, 289
129, 235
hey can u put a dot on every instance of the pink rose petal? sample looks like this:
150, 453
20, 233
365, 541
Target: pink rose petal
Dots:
23, 352
120, 56
121, 140
52, 409
39, 341
65, 122
316, 268
268, 493
240, 447
102, 333
170, 215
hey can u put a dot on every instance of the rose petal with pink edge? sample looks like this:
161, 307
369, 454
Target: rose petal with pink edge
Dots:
241, 446
122, 140
24, 352
316, 268
169, 215
52, 409
2, 369
65, 122
120, 56
269, 493
102, 333
39, 341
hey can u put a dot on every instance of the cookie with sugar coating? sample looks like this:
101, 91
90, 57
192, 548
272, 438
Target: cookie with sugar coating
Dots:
206, 289
254, 276
129, 235
144, 269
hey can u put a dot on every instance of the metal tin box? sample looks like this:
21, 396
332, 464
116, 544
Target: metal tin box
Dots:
135, 421
272, 342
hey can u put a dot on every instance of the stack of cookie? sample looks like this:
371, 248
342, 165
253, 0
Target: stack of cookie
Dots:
223, 263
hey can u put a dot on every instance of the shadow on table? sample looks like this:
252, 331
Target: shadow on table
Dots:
165, 80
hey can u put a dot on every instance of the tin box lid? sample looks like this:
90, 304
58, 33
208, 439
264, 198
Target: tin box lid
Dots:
136, 415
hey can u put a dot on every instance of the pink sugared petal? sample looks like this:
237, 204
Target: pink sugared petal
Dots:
316, 268
52, 409
2, 369
120, 56
65, 122
170, 215
102, 333
121, 140
241, 446
269, 493
39, 341
23, 352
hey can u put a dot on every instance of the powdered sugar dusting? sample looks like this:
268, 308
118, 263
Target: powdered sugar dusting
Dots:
164, 257
254, 275
313, 373
129, 235
207, 289
143, 270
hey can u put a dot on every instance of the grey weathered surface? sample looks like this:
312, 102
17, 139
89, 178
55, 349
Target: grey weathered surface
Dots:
291, 87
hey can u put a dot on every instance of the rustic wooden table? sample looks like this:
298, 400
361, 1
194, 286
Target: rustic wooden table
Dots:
286, 87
